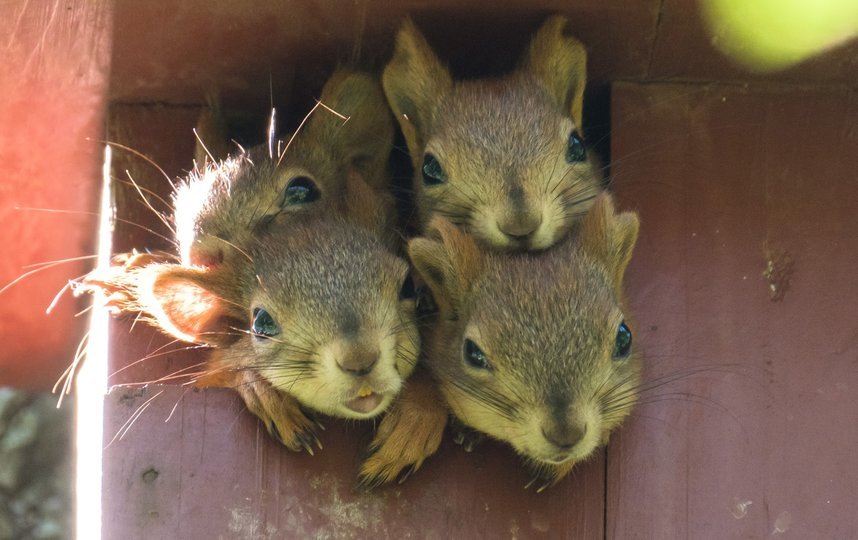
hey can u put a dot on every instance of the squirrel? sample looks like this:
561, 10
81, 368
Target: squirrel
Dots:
317, 313
531, 348
308, 307
230, 201
502, 158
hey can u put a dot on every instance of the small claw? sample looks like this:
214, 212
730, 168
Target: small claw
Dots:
458, 437
306, 439
272, 429
472, 443
370, 450
403, 476
368, 483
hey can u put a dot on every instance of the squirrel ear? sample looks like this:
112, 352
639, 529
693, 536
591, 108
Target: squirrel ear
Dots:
558, 62
372, 209
183, 303
212, 142
414, 81
610, 237
448, 263
363, 135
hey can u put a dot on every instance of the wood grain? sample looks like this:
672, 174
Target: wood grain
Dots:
757, 434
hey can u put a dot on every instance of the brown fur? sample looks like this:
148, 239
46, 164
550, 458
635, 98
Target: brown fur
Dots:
329, 282
548, 324
502, 143
228, 202
327, 272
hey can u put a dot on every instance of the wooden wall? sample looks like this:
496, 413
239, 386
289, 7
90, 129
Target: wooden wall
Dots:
742, 283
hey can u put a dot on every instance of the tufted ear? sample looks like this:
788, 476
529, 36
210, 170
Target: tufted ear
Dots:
414, 82
558, 62
361, 131
189, 303
449, 262
609, 236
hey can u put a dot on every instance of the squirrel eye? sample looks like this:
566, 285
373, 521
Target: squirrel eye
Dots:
575, 151
475, 357
623, 343
300, 190
433, 174
408, 290
263, 324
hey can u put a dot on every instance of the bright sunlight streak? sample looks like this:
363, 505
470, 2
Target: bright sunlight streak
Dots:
90, 388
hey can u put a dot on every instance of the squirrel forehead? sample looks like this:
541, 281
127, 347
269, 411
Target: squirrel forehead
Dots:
542, 296
326, 262
499, 116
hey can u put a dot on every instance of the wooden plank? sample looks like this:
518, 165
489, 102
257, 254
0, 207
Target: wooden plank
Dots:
53, 79
164, 135
196, 464
729, 181
220, 45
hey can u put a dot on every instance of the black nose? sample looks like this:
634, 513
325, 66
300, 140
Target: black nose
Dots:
564, 437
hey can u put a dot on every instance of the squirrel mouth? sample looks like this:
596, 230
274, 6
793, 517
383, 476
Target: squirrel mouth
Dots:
365, 402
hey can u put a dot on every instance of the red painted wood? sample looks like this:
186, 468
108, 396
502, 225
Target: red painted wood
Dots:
53, 78
195, 464
724, 177
762, 440
164, 135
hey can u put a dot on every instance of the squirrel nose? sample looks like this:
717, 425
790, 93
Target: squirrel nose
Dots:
564, 437
358, 363
521, 227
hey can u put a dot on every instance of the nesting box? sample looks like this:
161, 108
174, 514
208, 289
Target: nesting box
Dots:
742, 284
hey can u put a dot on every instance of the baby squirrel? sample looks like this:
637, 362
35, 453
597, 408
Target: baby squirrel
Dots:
529, 348
319, 310
503, 158
287, 272
228, 202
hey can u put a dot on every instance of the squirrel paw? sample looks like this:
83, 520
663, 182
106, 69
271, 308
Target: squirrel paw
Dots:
466, 437
543, 476
282, 415
406, 436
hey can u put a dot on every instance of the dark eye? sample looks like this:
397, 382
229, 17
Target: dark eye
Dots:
408, 290
300, 190
575, 151
475, 357
433, 174
263, 324
623, 344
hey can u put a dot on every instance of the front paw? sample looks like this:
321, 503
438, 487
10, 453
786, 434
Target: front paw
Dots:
281, 414
410, 432
544, 475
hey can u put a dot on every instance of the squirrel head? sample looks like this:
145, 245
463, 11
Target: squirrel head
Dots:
502, 158
300, 315
534, 348
227, 202
320, 307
